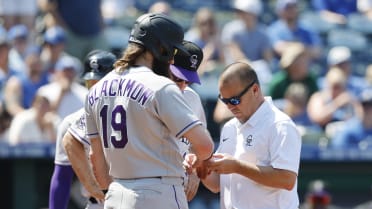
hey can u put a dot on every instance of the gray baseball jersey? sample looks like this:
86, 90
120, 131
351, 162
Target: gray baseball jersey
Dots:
137, 115
61, 157
193, 100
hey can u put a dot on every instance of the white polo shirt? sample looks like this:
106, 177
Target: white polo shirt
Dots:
268, 138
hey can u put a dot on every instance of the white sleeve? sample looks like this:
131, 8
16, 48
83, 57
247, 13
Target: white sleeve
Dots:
91, 127
78, 129
285, 146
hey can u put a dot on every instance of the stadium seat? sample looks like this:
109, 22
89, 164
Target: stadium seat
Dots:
355, 40
359, 23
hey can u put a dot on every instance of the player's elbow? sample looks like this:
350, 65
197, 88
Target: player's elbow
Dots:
205, 150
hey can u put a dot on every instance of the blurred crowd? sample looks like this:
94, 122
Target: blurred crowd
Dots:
312, 57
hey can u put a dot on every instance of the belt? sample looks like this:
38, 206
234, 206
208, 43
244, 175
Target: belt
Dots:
93, 200
163, 179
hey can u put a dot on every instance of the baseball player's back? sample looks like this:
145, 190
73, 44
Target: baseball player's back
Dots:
135, 116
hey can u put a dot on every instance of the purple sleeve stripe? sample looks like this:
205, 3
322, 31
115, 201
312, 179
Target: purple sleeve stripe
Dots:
191, 124
93, 134
76, 135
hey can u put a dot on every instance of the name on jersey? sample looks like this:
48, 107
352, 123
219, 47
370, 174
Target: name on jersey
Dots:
121, 87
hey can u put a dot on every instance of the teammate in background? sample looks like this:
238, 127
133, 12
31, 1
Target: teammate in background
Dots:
138, 113
184, 72
97, 64
259, 149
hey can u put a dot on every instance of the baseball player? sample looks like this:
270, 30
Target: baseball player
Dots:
138, 113
184, 72
96, 65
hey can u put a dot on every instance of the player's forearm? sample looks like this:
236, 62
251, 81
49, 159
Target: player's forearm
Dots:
79, 162
267, 175
99, 164
201, 142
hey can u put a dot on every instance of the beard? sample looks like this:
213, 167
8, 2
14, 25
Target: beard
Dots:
160, 67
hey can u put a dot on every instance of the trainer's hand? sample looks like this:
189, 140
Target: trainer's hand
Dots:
222, 163
192, 186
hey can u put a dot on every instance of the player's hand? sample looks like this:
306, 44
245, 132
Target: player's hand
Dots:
189, 163
97, 193
192, 186
222, 163
203, 171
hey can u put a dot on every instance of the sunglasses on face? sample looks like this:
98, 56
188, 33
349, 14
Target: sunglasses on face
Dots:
235, 100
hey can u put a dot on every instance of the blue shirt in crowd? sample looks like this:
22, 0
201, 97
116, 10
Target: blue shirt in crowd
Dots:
351, 134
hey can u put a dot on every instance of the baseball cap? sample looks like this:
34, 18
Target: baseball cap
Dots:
338, 54
54, 35
249, 6
67, 62
18, 31
282, 4
365, 96
291, 53
185, 66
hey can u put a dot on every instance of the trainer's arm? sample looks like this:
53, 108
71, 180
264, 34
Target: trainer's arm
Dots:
265, 175
79, 161
212, 182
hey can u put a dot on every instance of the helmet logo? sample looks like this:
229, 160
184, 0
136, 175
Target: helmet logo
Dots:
142, 32
94, 64
194, 60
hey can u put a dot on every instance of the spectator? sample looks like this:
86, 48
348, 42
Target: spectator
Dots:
365, 8
5, 119
84, 27
5, 70
287, 30
334, 102
160, 7
18, 37
243, 37
20, 90
335, 11
357, 132
317, 197
205, 33
18, 12
340, 57
113, 10
368, 75
53, 48
65, 94
36, 124
295, 106
295, 68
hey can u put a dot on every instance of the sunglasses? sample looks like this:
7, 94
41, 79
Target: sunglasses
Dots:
235, 100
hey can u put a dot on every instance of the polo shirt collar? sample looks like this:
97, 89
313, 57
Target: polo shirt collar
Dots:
260, 113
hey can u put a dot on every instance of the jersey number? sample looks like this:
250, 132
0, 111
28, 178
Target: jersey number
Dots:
118, 123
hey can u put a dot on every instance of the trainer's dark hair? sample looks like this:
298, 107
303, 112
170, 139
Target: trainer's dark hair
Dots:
243, 71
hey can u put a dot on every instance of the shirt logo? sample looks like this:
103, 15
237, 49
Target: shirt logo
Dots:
248, 141
224, 139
